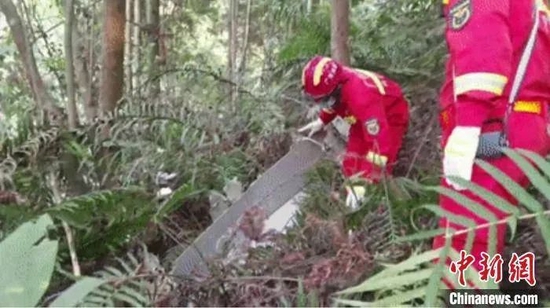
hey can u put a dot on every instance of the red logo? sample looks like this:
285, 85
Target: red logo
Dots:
462, 265
520, 267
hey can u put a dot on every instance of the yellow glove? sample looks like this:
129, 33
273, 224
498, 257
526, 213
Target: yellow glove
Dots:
355, 195
460, 153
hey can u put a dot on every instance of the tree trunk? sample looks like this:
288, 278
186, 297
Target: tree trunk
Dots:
38, 89
112, 76
340, 31
82, 73
242, 65
128, 47
232, 51
69, 70
136, 48
153, 20
90, 60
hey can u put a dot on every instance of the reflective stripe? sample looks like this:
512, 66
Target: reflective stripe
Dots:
377, 159
528, 107
445, 119
488, 82
350, 120
319, 71
379, 84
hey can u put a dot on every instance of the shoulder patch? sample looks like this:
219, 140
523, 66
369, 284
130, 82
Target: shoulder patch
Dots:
372, 126
460, 13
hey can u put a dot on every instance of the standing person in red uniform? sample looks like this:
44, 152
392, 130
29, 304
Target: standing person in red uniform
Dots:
374, 107
486, 40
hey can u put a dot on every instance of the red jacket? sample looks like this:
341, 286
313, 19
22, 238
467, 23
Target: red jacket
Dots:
371, 102
485, 40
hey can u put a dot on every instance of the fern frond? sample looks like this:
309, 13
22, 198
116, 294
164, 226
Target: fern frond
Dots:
105, 219
33, 146
119, 289
425, 282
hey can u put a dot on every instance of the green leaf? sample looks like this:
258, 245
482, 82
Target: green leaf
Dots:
128, 299
514, 188
77, 292
420, 235
513, 223
391, 282
410, 264
542, 184
492, 240
544, 224
301, 299
540, 161
450, 216
400, 298
139, 297
352, 303
470, 204
27, 260
435, 280
185, 191
487, 195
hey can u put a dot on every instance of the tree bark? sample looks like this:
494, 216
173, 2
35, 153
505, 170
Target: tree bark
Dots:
38, 89
92, 105
242, 66
340, 31
82, 73
153, 21
232, 51
136, 47
112, 76
69, 70
128, 47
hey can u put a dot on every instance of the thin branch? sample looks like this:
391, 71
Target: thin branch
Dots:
217, 77
246, 36
262, 278
68, 232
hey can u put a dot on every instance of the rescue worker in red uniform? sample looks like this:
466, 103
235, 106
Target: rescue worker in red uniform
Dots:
372, 104
486, 40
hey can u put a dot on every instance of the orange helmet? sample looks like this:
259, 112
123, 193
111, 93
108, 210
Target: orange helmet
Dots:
320, 77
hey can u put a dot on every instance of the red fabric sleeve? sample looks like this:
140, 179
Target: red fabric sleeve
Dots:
481, 51
327, 115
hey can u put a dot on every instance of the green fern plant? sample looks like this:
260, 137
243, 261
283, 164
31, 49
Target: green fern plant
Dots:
127, 285
135, 281
105, 220
418, 279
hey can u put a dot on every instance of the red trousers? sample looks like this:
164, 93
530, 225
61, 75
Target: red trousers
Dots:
355, 161
526, 131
